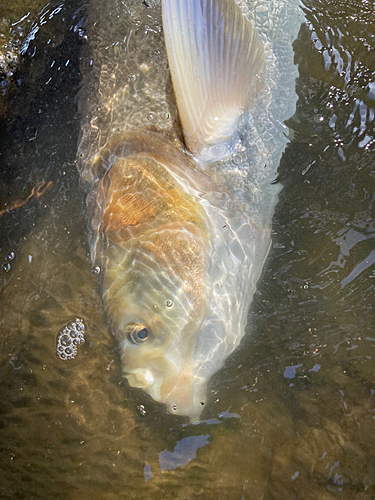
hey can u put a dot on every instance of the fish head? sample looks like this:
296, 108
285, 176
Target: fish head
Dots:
156, 320
155, 287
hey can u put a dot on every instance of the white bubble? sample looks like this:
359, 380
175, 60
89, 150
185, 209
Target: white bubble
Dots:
68, 338
96, 270
6, 267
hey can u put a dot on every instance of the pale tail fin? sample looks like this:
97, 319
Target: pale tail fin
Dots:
216, 62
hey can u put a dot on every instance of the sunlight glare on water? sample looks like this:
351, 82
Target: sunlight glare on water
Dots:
292, 414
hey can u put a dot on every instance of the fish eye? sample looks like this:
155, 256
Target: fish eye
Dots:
138, 334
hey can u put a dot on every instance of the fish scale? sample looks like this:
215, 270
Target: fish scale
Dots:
168, 222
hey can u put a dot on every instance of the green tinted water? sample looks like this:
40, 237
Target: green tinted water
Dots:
291, 416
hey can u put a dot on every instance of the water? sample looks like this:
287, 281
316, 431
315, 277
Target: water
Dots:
291, 416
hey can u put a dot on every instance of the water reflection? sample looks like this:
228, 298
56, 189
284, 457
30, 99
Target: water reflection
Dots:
184, 451
292, 414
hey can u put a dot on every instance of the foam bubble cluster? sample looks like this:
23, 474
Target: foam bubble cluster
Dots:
68, 338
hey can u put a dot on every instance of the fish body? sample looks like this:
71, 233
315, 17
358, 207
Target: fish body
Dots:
179, 251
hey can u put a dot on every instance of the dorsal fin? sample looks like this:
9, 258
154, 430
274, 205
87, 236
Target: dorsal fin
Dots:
216, 62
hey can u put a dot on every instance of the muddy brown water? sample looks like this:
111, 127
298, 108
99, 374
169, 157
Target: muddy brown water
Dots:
291, 415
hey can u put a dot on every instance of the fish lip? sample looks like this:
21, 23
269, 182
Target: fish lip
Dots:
147, 379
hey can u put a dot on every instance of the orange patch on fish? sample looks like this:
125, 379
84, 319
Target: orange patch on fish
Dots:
142, 195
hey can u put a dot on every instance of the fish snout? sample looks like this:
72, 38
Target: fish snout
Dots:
182, 392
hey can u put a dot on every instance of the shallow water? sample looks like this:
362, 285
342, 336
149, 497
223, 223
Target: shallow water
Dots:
291, 416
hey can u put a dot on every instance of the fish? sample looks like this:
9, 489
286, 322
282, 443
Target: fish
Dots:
178, 241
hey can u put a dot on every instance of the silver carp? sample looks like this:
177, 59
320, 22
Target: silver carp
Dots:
180, 196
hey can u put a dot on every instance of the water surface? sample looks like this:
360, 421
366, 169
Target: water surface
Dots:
291, 415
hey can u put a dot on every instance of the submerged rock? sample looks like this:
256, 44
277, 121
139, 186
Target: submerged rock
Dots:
16, 19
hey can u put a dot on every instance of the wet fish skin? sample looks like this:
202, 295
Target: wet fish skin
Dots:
163, 231
156, 248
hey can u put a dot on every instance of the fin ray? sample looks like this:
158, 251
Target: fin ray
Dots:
216, 61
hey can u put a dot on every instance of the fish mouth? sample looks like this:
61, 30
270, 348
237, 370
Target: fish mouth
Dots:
144, 378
